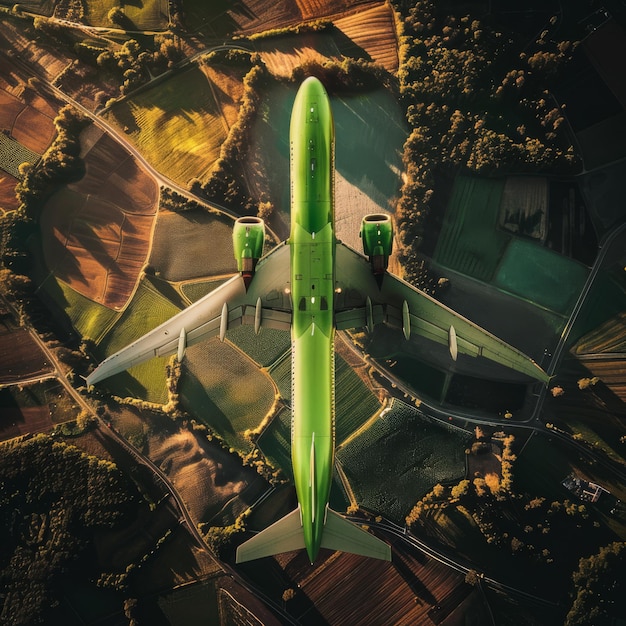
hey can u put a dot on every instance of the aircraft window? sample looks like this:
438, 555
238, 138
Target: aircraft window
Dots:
302, 304
313, 162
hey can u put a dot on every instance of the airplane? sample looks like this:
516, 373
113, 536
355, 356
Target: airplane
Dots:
312, 285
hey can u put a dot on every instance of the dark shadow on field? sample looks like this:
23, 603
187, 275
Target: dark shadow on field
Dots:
410, 578
194, 397
272, 579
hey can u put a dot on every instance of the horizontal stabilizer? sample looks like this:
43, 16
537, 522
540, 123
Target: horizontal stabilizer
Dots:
284, 535
340, 534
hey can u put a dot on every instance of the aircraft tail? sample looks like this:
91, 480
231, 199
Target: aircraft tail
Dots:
340, 534
286, 535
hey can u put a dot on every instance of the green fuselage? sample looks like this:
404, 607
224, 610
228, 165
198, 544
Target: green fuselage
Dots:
312, 242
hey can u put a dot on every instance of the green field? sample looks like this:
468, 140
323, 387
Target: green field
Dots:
470, 242
144, 15
264, 348
540, 275
176, 124
147, 310
205, 239
13, 154
198, 289
89, 318
225, 390
399, 458
275, 442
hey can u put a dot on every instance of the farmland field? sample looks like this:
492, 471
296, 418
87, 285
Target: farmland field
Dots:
95, 232
225, 390
13, 154
89, 318
145, 15
8, 200
275, 442
263, 348
208, 478
148, 309
469, 241
20, 356
194, 290
177, 125
191, 245
249, 16
399, 458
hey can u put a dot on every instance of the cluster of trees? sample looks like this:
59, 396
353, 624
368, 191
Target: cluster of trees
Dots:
600, 588
474, 101
53, 498
221, 538
527, 528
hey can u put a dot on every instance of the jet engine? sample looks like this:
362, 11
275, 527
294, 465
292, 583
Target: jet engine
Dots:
377, 236
248, 240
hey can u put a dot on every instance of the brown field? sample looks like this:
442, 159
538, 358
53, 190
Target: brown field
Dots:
207, 477
15, 421
47, 59
612, 372
315, 9
374, 31
608, 337
8, 201
27, 116
96, 232
227, 87
20, 356
348, 589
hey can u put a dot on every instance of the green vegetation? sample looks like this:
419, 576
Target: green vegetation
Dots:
275, 442
90, 319
400, 455
541, 275
179, 135
476, 101
264, 348
195, 290
231, 398
147, 310
147, 15
470, 242
600, 588
48, 520
13, 154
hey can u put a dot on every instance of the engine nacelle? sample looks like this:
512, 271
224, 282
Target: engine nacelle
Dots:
248, 240
377, 236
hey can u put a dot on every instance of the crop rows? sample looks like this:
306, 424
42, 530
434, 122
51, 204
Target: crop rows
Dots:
13, 154
264, 348
179, 135
225, 390
399, 458
275, 442
145, 15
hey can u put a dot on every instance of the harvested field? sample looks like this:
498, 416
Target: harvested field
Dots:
227, 85
208, 478
50, 61
15, 421
374, 31
347, 589
145, 15
252, 16
20, 356
205, 239
8, 201
96, 232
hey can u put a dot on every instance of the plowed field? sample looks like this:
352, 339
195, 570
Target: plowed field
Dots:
96, 232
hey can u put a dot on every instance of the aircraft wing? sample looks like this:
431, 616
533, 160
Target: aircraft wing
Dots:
361, 303
265, 303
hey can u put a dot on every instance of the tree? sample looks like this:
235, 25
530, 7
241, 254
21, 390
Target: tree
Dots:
599, 588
